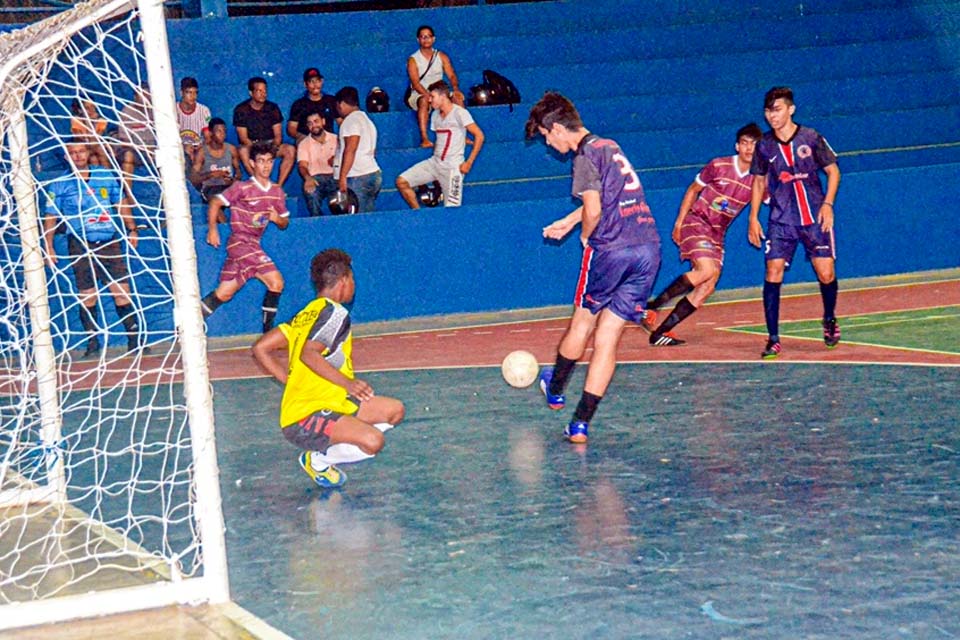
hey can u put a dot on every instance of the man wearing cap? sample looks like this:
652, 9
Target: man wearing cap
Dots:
314, 100
259, 120
193, 119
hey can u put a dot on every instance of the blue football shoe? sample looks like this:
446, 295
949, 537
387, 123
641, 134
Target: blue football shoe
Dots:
554, 402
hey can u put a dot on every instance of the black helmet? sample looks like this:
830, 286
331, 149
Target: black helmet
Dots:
343, 203
430, 194
480, 96
378, 101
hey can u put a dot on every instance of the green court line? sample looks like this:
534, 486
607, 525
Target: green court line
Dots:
935, 329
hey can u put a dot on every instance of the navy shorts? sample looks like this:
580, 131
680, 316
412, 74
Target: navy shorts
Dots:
619, 279
313, 432
782, 241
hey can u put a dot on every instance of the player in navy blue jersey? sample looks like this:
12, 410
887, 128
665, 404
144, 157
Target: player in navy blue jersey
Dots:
621, 254
791, 157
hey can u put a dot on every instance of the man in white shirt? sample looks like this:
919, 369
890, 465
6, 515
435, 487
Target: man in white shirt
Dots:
450, 123
356, 167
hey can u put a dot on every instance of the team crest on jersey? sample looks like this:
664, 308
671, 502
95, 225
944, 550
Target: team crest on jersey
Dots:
804, 151
103, 192
720, 204
705, 244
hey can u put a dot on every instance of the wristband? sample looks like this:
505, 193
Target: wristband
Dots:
829, 204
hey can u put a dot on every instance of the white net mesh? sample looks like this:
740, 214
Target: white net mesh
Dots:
122, 460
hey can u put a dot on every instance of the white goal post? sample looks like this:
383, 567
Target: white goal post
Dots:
109, 485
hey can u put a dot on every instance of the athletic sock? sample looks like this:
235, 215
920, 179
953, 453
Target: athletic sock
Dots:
561, 373
129, 318
829, 294
87, 320
679, 287
209, 304
586, 407
271, 302
683, 309
771, 307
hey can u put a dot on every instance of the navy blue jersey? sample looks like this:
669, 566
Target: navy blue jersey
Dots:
625, 217
792, 169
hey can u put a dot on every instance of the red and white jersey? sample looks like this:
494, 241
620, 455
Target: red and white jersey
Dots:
726, 191
451, 131
192, 125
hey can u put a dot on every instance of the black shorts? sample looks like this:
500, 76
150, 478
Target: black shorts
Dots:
313, 432
94, 261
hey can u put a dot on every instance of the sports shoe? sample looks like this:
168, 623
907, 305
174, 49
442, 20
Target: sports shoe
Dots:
576, 431
649, 322
554, 402
93, 349
667, 339
772, 350
135, 344
831, 333
329, 478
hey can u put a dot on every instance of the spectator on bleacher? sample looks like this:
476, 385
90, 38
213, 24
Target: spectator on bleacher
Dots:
259, 120
136, 135
90, 201
450, 123
193, 119
314, 100
315, 156
356, 165
424, 67
88, 126
253, 204
217, 165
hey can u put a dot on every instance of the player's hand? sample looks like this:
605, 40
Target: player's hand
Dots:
360, 390
309, 185
465, 167
557, 229
825, 218
133, 238
51, 258
213, 237
755, 233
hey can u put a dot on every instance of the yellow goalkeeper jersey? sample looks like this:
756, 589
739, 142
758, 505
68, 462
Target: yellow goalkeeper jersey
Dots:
306, 392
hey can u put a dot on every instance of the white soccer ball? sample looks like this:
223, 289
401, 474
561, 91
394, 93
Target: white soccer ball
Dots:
520, 369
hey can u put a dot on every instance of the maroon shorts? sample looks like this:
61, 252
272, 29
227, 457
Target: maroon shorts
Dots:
699, 239
245, 260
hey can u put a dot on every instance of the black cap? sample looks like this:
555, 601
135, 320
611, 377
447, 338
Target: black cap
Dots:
189, 83
312, 72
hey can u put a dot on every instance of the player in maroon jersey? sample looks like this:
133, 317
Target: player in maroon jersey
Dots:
790, 157
716, 196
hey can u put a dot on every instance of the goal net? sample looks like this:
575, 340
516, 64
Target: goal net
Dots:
109, 499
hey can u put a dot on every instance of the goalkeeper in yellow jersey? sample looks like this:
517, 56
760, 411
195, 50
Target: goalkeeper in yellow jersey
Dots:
325, 410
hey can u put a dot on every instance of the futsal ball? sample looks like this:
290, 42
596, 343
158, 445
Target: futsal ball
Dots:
520, 369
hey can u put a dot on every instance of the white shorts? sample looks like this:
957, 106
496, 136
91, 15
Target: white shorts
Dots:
450, 179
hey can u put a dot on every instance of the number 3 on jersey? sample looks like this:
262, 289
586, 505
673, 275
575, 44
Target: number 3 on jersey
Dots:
633, 182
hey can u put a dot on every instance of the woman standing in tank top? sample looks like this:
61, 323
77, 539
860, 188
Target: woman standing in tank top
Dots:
426, 66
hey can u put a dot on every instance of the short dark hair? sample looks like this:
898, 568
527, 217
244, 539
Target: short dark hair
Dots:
348, 95
427, 27
442, 86
262, 148
328, 267
189, 83
750, 130
255, 80
215, 122
552, 108
777, 93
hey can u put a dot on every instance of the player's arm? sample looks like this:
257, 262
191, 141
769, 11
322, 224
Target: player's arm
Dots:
689, 197
214, 215
350, 145
264, 352
312, 356
243, 135
235, 161
49, 227
129, 224
754, 230
825, 215
414, 75
591, 215
477, 133
277, 134
557, 229
292, 129
451, 74
281, 219
198, 173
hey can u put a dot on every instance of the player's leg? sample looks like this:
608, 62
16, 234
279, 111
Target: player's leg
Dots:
451, 184
820, 249
410, 179
114, 272
553, 380
288, 157
366, 188
697, 240
781, 244
382, 410
423, 114
273, 280
704, 277
84, 276
221, 295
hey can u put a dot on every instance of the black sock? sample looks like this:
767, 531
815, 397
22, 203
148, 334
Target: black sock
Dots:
128, 317
683, 309
209, 304
561, 373
271, 302
679, 287
771, 308
88, 322
829, 294
586, 407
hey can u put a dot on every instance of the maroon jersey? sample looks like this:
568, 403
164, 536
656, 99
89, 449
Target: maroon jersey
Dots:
726, 191
250, 208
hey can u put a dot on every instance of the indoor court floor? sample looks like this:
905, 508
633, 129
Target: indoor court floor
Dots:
720, 496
